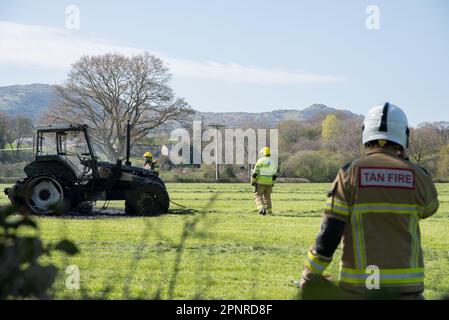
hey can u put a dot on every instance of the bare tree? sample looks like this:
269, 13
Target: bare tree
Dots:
291, 132
425, 143
442, 129
4, 130
351, 139
294, 132
20, 127
108, 90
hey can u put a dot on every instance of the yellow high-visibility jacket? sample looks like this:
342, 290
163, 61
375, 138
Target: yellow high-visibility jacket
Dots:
263, 171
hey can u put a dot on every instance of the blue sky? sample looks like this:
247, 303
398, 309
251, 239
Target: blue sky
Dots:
249, 55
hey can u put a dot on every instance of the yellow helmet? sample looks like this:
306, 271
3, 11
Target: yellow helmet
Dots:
148, 154
265, 151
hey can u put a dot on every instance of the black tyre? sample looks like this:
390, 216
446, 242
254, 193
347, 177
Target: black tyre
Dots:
45, 195
148, 198
159, 180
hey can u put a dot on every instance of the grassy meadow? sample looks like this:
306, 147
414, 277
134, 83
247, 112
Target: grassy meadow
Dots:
214, 250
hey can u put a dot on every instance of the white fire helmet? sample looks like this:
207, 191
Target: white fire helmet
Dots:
386, 122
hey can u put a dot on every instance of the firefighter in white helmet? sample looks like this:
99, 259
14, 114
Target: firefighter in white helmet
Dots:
375, 205
263, 177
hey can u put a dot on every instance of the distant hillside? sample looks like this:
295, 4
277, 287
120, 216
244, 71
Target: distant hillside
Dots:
315, 112
28, 100
34, 99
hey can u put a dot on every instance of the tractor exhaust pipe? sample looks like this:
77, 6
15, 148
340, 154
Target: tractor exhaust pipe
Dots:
128, 143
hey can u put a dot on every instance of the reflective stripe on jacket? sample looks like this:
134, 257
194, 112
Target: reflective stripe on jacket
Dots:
264, 170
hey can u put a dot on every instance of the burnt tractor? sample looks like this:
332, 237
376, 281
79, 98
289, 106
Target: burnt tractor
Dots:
66, 175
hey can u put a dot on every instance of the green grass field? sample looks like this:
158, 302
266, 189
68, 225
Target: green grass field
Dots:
223, 250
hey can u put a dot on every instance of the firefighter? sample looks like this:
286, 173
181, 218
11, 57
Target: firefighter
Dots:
150, 163
262, 179
375, 206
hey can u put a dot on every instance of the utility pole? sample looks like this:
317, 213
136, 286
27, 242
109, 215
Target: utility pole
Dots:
216, 126
128, 143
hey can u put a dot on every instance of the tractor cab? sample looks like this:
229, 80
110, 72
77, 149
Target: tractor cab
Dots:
67, 145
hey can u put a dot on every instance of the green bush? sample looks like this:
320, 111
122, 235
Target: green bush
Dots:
315, 166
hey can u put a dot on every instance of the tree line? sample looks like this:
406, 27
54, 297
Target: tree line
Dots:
107, 91
317, 149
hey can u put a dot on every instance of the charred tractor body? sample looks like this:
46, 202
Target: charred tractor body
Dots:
66, 175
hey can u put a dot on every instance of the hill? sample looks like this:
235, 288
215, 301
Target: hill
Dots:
315, 112
34, 99
27, 100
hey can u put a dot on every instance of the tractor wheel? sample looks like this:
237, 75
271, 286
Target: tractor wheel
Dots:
45, 195
159, 180
149, 198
